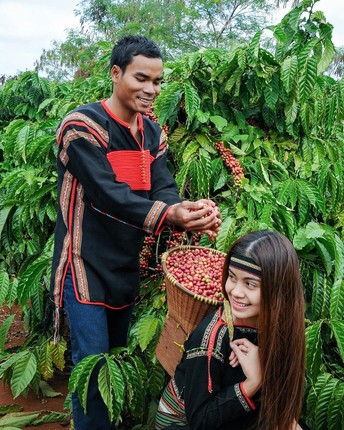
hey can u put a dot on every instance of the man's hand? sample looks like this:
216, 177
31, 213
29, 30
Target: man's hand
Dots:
202, 216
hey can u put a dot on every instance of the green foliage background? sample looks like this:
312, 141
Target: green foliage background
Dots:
279, 115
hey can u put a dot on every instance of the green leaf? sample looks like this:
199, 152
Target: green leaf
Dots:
219, 122
4, 328
146, 331
4, 285
313, 350
117, 381
324, 401
337, 300
225, 235
45, 362
105, 390
254, 46
335, 414
24, 371
17, 420
192, 101
4, 213
85, 366
338, 331
325, 256
205, 143
314, 230
11, 360
289, 72
300, 239
58, 353
307, 79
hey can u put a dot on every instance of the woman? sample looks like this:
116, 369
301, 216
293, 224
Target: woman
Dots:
224, 380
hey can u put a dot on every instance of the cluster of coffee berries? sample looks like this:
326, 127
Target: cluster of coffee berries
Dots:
197, 269
150, 114
146, 254
176, 238
231, 162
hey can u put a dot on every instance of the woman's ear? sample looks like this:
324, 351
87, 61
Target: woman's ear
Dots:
115, 73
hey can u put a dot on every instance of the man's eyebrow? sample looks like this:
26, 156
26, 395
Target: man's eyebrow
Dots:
144, 75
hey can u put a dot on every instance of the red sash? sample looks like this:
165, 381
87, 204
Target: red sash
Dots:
132, 167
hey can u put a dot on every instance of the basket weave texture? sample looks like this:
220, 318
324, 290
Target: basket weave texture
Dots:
185, 311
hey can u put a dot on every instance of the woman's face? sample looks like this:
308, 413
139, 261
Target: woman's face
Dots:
243, 290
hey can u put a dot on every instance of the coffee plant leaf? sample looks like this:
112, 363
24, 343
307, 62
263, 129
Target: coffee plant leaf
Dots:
146, 331
137, 379
85, 366
157, 380
4, 329
58, 353
225, 235
128, 371
192, 101
335, 414
11, 360
320, 294
4, 285
324, 254
313, 350
324, 402
289, 72
337, 327
337, 300
24, 371
4, 213
45, 361
17, 420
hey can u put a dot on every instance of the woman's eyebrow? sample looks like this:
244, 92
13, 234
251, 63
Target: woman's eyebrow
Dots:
251, 278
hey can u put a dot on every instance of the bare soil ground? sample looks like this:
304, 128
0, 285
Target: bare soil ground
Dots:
32, 403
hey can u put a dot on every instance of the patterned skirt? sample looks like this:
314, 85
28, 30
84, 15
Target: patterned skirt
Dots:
171, 410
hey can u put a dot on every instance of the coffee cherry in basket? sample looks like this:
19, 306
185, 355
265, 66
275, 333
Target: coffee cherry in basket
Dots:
197, 269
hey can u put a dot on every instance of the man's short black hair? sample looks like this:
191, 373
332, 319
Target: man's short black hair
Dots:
129, 46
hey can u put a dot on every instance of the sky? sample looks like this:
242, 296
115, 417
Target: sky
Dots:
29, 26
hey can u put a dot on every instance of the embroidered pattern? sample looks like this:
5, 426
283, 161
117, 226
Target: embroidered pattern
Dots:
79, 117
153, 216
241, 398
78, 264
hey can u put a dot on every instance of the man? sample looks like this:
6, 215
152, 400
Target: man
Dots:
113, 187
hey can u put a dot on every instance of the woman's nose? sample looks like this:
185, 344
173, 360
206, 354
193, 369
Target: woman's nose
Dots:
238, 289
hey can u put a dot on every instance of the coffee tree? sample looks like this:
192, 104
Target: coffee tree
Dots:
260, 132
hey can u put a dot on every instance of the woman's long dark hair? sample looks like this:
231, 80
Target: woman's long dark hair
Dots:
281, 326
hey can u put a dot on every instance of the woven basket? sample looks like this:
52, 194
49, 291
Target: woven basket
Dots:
185, 311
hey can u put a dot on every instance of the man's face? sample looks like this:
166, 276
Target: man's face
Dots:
136, 88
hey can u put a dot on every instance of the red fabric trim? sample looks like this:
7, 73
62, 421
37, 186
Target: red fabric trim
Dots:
112, 115
248, 399
213, 334
102, 304
163, 145
118, 119
132, 167
161, 226
82, 124
175, 396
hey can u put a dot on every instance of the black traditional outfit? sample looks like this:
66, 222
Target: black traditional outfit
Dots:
112, 190
206, 392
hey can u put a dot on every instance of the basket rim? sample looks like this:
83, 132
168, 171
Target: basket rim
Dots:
173, 280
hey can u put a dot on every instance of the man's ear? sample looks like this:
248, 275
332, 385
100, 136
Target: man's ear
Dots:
115, 73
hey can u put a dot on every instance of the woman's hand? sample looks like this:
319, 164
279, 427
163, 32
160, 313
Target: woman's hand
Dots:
246, 354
